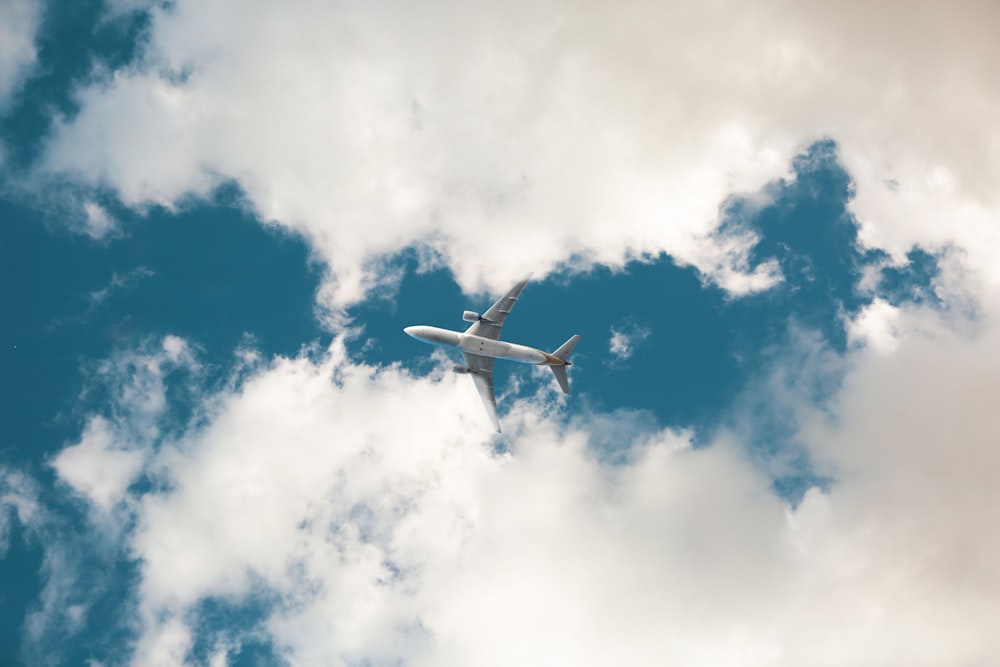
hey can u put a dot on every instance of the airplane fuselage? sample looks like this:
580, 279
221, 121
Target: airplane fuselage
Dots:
484, 347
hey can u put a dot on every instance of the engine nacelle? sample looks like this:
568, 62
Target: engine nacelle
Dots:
470, 316
462, 370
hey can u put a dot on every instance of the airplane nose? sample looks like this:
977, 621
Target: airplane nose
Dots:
411, 331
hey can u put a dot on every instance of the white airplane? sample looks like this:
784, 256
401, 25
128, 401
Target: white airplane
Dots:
481, 344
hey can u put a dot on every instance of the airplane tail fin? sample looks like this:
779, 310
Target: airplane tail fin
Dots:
566, 349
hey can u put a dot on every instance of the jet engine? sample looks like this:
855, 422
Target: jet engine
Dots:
470, 316
462, 370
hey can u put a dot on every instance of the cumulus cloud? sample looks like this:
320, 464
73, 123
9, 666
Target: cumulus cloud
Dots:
363, 513
531, 136
19, 21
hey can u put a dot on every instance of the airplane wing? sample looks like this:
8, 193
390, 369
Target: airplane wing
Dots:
491, 322
482, 376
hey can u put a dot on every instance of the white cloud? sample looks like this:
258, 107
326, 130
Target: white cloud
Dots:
917, 467
98, 222
586, 133
581, 132
119, 282
112, 450
622, 343
167, 646
373, 507
62, 605
56, 611
619, 346
875, 325
177, 350
97, 467
18, 498
19, 21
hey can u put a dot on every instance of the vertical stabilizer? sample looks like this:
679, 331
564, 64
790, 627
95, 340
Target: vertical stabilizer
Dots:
566, 348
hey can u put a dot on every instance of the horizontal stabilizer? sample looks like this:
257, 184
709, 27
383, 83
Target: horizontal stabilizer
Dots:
561, 377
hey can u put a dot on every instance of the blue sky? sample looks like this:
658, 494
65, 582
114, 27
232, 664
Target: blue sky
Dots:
219, 448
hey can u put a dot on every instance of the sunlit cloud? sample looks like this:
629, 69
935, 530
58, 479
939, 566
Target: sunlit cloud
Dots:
551, 141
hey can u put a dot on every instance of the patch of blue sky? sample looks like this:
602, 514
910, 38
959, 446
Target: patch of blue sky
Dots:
912, 281
225, 627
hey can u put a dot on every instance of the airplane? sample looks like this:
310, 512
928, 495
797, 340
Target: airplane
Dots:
481, 345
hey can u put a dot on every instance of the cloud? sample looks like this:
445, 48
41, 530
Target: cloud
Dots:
81, 542
623, 342
98, 222
875, 326
19, 21
97, 467
168, 645
112, 449
537, 136
18, 498
65, 593
363, 513
120, 282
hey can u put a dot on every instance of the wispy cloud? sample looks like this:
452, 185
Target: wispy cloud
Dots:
625, 339
18, 501
19, 21
113, 447
68, 584
98, 222
120, 283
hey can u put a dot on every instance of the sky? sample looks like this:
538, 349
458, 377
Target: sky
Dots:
774, 225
